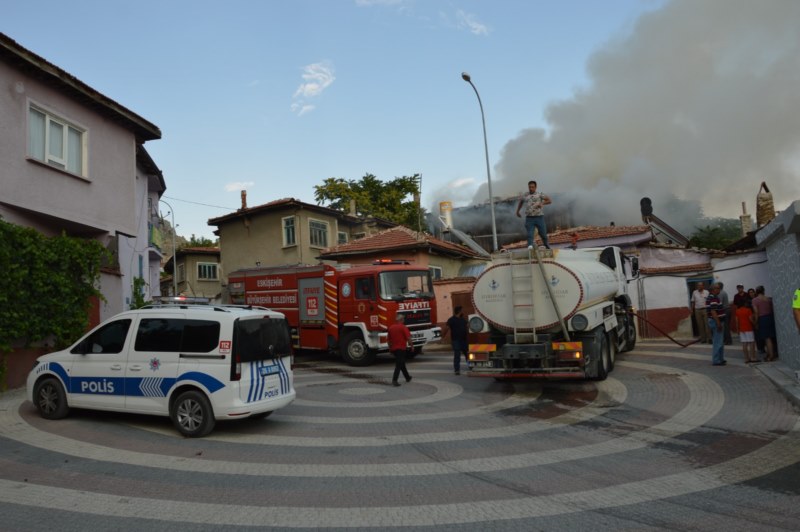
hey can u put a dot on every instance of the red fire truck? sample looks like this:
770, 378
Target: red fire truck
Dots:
344, 308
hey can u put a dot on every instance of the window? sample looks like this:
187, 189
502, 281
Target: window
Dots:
207, 271
109, 339
342, 237
56, 142
162, 335
364, 288
289, 238
436, 272
318, 233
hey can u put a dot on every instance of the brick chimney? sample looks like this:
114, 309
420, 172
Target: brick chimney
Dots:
244, 200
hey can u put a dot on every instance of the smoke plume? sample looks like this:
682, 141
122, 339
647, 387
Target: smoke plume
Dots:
699, 102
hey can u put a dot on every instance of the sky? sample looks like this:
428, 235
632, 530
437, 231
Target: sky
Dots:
602, 103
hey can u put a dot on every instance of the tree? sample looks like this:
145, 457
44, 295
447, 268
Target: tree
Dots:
395, 200
199, 242
718, 234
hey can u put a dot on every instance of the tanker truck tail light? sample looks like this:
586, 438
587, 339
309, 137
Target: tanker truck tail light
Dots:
568, 350
480, 352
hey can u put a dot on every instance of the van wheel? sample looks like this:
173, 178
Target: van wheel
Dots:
192, 415
50, 399
354, 350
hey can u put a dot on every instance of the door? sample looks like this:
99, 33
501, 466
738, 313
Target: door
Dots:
152, 363
97, 377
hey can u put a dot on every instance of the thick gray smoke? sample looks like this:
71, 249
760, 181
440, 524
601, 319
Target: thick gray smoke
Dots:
700, 102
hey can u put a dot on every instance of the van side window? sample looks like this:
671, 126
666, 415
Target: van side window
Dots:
200, 336
159, 335
108, 339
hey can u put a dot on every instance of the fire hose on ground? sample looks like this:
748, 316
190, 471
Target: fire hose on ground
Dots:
654, 326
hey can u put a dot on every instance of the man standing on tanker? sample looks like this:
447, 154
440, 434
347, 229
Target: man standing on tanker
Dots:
534, 213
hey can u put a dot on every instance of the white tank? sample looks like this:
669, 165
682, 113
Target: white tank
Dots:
512, 292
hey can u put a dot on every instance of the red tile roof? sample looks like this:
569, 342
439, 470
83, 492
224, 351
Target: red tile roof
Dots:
587, 232
396, 238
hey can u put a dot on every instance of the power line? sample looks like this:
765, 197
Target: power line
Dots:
203, 204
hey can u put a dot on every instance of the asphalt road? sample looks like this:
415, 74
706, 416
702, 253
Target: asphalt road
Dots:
668, 442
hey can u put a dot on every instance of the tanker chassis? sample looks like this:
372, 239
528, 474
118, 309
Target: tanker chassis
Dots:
552, 314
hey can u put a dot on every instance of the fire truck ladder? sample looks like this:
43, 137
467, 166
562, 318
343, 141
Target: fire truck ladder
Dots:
522, 290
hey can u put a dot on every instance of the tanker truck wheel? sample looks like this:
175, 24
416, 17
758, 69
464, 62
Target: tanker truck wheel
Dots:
629, 334
602, 361
354, 350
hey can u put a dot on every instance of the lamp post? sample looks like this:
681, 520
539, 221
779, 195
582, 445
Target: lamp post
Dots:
174, 251
466, 77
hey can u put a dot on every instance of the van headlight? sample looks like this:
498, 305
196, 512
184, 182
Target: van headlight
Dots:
579, 322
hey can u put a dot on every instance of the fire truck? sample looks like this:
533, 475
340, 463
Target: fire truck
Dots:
346, 308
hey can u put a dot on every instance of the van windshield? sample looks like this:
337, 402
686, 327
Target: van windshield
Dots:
405, 284
261, 339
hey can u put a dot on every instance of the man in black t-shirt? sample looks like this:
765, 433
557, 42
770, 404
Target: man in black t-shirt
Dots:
457, 326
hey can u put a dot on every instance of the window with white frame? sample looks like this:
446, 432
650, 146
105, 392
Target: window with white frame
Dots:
342, 238
56, 142
436, 272
207, 271
289, 234
318, 233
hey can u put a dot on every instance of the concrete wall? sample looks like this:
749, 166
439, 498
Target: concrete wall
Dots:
782, 240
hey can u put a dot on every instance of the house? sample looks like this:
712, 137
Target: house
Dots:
199, 273
73, 161
286, 231
446, 261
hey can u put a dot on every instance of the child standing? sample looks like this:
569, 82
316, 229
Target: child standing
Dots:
744, 321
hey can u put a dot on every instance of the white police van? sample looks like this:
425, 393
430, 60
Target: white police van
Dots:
195, 363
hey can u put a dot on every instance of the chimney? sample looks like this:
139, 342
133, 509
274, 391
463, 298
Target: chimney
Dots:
244, 200
746, 220
765, 208
352, 207
446, 215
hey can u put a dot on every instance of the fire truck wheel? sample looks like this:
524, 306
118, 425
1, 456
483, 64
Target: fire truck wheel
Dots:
354, 350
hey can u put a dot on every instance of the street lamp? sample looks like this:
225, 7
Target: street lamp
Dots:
467, 78
174, 251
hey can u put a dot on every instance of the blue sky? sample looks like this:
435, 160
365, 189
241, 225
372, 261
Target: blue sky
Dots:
274, 97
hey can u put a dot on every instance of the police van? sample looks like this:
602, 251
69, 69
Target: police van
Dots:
194, 363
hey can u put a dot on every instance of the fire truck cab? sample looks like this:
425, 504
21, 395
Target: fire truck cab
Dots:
344, 308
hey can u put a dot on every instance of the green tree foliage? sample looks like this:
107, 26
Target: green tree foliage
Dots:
719, 233
199, 242
47, 285
394, 200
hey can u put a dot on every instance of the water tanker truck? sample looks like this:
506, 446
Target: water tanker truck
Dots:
557, 314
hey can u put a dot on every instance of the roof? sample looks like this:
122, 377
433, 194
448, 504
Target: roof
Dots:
591, 232
394, 239
42, 70
198, 251
292, 203
680, 268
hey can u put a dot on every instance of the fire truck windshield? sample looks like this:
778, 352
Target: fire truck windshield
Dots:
399, 285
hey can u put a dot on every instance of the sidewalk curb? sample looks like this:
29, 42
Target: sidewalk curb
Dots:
783, 377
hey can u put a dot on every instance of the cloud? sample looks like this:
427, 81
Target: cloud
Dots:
470, 22
316, 78
238, 185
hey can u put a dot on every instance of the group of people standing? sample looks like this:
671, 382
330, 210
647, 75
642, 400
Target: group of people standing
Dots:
751, 311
